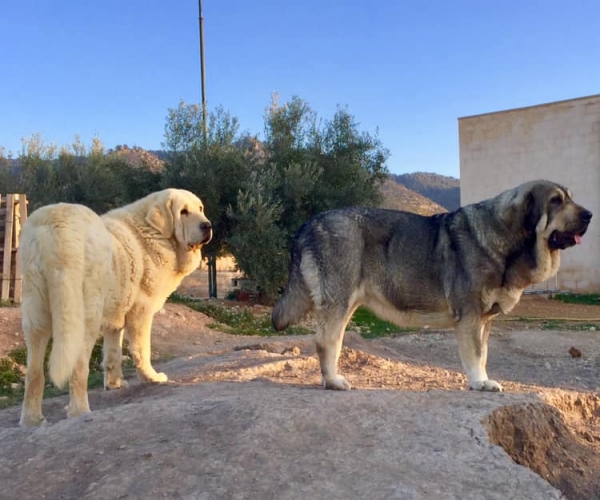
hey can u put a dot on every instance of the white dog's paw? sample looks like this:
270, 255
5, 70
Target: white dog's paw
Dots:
337, 383
149, 375
31, 421
76, 411
485, 385
115, 384
159, 378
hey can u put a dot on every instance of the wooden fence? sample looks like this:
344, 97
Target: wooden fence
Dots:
13, 213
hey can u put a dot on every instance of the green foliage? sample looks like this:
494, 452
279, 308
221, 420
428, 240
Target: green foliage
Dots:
214, 166
592, 299
258, 240
370, 326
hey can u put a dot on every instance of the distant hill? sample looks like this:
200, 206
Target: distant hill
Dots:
442, 189
398, 197
137, 157
161, 154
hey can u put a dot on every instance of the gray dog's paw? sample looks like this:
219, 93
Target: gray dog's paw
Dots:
486, 385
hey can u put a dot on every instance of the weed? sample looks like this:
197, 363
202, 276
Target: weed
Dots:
240, 320
370, 326
12, 378
558, 324
579, 298
243, 321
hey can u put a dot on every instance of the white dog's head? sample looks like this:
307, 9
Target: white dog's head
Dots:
179, 214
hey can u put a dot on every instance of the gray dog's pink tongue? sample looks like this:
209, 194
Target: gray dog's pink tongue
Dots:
577, 239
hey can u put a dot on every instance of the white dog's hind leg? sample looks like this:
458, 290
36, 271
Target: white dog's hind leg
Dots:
37, 340
113, 359
78, 400
472, 337
330, 329
138, 328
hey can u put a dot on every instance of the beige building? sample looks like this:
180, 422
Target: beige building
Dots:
558, 141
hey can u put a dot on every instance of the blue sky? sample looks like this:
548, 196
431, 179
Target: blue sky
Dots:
408, 68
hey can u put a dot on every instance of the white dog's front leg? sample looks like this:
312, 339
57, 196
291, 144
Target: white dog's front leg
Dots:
138, 327
113, 359
472, 337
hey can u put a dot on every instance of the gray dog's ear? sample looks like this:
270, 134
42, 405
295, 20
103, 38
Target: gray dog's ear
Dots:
522, 211
534, 207
160, 217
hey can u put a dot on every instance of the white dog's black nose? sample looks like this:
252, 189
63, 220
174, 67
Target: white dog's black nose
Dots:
206, 226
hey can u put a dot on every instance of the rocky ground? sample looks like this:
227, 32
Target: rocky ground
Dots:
245, 417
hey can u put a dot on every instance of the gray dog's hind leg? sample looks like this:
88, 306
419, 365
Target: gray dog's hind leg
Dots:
330, 328
472, 335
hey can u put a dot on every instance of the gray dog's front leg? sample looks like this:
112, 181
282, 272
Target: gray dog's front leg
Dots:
472, 336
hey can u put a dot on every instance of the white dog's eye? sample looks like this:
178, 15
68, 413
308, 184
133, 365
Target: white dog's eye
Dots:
184, 211
201, 208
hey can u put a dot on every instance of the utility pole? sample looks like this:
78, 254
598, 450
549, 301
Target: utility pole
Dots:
202, 72
211, 261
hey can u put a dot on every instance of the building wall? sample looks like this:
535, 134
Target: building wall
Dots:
558, 141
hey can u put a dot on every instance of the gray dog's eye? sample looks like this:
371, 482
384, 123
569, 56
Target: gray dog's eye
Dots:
556, 200
184, 211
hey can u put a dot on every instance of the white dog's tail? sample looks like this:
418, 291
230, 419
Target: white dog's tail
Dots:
65, 294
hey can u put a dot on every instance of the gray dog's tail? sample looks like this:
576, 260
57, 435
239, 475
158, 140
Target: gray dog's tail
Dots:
291, 307
295, 301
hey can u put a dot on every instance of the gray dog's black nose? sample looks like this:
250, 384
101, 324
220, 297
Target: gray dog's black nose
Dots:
585, 216
206, 226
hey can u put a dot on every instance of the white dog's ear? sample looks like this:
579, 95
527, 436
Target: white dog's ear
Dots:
160, 217
178, 207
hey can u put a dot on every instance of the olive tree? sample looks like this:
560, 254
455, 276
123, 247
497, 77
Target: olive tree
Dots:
306, 166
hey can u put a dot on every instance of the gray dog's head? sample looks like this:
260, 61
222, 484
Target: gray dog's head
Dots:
549, 211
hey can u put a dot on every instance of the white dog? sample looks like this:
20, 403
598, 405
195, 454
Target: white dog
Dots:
86, 275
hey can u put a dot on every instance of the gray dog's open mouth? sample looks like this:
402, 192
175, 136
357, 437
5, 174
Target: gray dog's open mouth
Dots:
561, 240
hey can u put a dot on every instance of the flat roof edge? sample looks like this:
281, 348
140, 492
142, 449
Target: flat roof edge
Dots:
530, 107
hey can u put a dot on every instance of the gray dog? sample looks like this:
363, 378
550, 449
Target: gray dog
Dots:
456, 269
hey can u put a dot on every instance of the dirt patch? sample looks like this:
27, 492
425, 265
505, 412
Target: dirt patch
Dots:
11, 335
564, 451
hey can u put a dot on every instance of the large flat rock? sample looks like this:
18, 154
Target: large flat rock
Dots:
259, 440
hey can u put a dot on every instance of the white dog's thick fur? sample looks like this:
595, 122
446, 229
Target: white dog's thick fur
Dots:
86, 275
